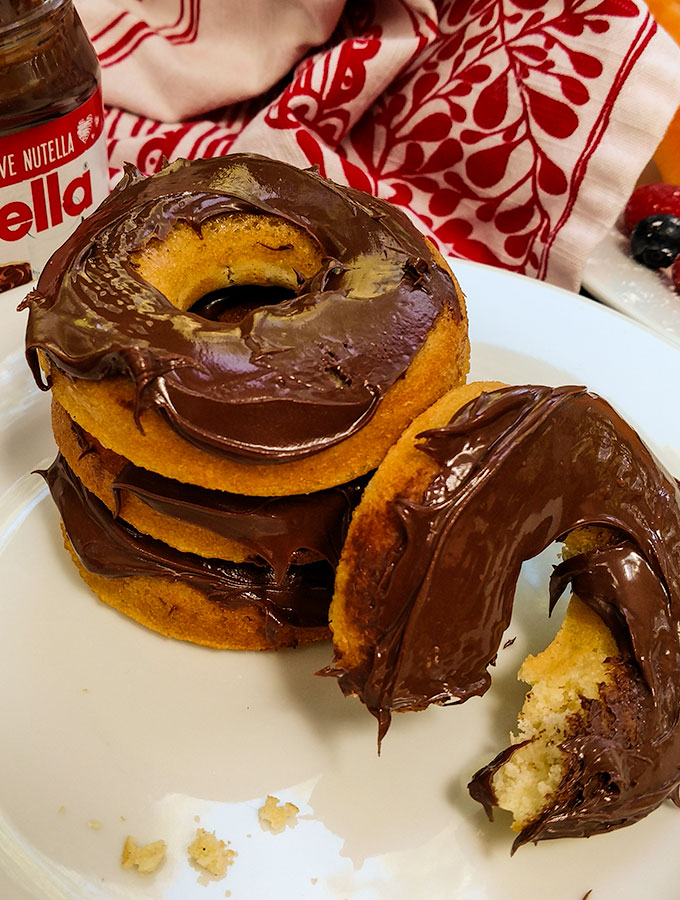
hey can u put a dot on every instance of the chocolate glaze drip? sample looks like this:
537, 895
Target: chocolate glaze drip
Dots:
110, 547
286, 381
519, 468
623, 758
14, 275
273, 528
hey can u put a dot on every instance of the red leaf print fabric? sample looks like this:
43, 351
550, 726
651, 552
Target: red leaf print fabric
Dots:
512, 131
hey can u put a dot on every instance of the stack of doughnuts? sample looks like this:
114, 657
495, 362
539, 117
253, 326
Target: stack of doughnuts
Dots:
232, 346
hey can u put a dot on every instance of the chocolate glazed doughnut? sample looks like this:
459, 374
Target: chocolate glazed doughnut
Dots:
206, 601
224, 570
319, 384
502, 477
277, 531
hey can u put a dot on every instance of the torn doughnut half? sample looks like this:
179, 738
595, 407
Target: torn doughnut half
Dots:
484, 480
590, 753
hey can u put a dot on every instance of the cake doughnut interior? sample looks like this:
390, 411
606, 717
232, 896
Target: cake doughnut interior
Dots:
596, 746
509, 472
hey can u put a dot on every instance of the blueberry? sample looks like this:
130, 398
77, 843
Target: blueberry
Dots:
655, 241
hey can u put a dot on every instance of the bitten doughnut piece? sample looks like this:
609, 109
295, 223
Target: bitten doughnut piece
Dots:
589, 753
513, 470
354, 325
564, 678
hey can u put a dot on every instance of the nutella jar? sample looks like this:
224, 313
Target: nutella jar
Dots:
53, 165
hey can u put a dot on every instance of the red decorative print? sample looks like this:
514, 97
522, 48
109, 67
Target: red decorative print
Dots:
321, 95
120, 37
479, 117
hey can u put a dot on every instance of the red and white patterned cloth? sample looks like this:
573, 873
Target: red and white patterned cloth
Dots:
512, 131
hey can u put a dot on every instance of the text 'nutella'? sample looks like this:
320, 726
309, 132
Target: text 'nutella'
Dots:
53, 166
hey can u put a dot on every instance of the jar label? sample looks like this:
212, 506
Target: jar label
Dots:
51, 177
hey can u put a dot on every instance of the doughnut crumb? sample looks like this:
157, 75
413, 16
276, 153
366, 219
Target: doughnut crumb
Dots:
274, 816
147, 857
211, 853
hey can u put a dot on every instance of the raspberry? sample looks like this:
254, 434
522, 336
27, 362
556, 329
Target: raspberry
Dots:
655, 241
649, 200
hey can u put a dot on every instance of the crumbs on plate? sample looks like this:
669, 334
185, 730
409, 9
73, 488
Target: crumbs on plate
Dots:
274, 817
210, 853
147, 857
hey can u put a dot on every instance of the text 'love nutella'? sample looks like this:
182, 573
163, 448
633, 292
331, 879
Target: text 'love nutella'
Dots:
53, 167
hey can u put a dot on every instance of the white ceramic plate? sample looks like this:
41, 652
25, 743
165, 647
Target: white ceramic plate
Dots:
107, 724
612, 275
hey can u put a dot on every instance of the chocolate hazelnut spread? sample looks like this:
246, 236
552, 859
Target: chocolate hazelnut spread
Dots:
110, 547
287, 380
622, 759
280, 531
275, 529
53, 168
519, 468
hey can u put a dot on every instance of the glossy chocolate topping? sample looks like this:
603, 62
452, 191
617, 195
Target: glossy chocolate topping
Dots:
275, 529
287, 380
623, 758
518, 468
109, 547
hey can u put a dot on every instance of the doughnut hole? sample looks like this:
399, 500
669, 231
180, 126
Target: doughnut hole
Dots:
240, 249
231, 304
